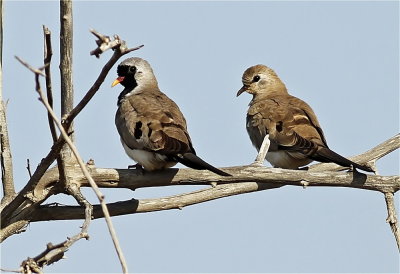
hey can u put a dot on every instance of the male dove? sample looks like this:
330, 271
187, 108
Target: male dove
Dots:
296, 138
153, 130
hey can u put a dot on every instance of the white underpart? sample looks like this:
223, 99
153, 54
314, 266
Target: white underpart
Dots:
283, 160
149, 160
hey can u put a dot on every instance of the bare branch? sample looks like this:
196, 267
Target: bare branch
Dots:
48, 53
22, 200
392, 219
99, 195
66, 53
53, 253
150, 205
5, 157
105, 43
120, 51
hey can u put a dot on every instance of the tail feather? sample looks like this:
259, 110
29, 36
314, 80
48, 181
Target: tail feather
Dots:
193, 161
324, 154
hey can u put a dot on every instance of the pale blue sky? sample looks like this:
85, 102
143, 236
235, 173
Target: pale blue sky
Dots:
340, 57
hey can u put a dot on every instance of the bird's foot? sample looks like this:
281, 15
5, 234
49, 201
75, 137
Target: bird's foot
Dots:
139, 169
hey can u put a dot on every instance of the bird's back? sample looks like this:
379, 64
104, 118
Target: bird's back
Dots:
150, 120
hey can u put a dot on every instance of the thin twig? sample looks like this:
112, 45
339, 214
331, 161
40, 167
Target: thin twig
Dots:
48, 53
392, 218
10, 270
9, 208
99, 195
118, 53
28, 167
53, 253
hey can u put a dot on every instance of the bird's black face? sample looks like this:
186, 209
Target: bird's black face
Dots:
126, 76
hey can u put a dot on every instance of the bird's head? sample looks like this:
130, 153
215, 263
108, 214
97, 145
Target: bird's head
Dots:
260, 79
133, 72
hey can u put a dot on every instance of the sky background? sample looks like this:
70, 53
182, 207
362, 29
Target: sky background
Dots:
340, 57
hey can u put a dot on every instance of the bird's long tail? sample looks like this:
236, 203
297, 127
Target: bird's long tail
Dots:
324, 154
193, 161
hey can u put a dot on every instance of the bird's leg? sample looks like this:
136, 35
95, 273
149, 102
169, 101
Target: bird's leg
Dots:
138, 167
259, 161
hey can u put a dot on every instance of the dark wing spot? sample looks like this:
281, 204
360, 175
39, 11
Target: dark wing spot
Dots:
150, 130
279, 126
169, 114
138, 130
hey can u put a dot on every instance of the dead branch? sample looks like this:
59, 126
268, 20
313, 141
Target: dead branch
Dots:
86, 173
120, 49
54, 253
132, 206
392, 218
263, 178
6, 157
22, 201
48, 53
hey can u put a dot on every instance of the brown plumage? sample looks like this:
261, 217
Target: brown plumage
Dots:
152, 128
296, 137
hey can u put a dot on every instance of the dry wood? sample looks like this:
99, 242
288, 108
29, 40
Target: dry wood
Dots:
5, 157
392, 218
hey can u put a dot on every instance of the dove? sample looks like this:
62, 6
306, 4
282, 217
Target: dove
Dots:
152, 128
294, 134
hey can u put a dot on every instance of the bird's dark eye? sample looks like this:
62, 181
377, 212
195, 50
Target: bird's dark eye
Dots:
256, 78
132, 69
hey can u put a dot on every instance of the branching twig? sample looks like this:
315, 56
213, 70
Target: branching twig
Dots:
120, 51
53, 253
105, 43
392, 218
85, 171
22, 201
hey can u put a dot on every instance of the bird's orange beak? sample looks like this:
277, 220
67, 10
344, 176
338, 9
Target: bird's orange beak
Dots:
243, 89
117, 81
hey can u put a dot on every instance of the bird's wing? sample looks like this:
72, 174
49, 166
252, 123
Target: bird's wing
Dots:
153, 122
293, 127
289, 121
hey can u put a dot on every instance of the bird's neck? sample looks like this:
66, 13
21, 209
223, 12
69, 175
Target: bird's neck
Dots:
139, 89
270, 93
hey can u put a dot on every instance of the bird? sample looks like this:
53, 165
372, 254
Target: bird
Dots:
152, 129
294, 133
